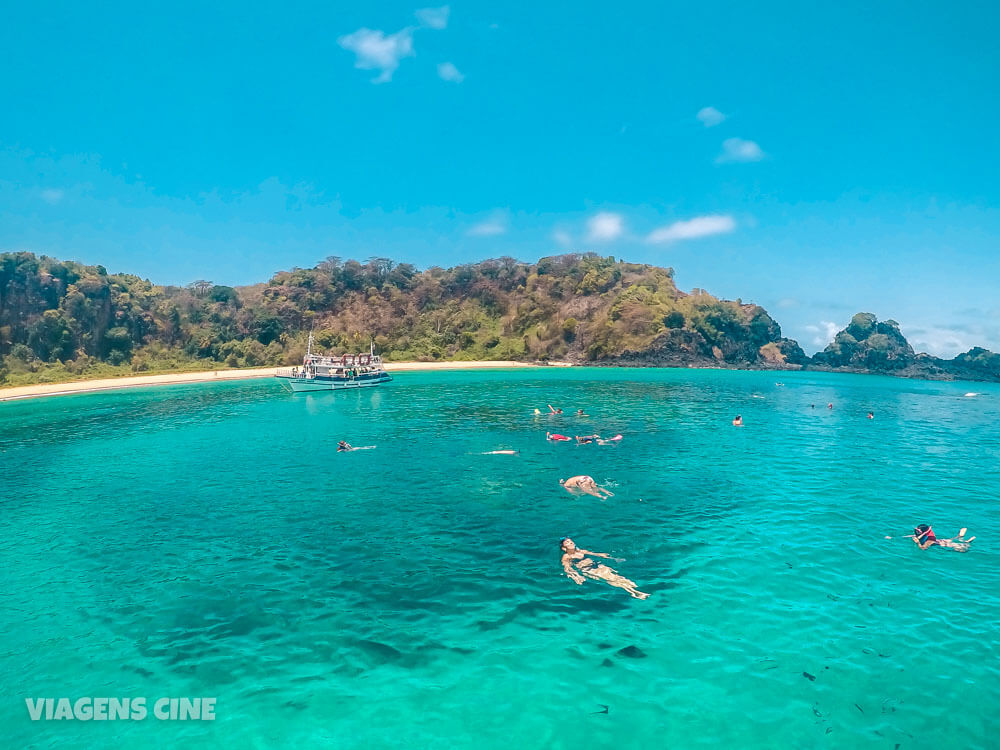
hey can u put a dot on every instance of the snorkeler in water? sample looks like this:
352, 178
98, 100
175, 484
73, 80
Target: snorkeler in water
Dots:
555, 437
586, 485
584, 439
574, 557
924, 537
344, 447
738, 422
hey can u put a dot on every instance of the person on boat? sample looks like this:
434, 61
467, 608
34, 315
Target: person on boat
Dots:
555, 437
584, 439
586, 485
343, 446
574, 557
609, 441
924, 537
738, 422
554, 411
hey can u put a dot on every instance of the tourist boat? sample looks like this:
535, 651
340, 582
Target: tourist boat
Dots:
320, 373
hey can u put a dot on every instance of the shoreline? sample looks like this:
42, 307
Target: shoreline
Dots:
38, 390
41, 390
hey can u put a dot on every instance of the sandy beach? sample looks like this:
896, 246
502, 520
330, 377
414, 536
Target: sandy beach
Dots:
106, 384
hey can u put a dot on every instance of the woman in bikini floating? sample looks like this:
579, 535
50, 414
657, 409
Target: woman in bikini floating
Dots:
574, 557
585, 484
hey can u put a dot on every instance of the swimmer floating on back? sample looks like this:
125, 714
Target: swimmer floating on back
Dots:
573, 556
579, 413
586, 485
343, 447
923, 537
555, 437
610, 441
500, 453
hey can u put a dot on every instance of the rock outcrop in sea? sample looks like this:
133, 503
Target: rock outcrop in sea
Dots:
868, 345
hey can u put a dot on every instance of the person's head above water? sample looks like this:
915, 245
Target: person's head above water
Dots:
567, 544
922, 530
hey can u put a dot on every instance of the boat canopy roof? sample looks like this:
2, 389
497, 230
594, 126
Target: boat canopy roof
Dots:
343, 360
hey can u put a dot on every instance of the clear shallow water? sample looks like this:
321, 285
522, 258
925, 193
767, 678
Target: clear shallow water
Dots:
207, 540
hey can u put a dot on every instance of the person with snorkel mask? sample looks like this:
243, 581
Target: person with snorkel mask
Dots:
924, 537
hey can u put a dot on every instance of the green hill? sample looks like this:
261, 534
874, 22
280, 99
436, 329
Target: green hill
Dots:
64, 320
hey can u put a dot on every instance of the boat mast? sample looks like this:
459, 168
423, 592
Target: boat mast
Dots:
309, 346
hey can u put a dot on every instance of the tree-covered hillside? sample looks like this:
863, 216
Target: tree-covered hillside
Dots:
63, 319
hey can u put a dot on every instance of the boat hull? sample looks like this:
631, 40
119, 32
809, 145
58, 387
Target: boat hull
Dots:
303, 385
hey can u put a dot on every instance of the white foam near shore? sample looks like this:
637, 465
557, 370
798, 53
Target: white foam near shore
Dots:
106, 384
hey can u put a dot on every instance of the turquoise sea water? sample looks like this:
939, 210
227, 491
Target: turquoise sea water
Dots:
207, 540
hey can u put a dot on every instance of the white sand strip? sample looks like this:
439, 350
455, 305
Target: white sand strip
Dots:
105, 384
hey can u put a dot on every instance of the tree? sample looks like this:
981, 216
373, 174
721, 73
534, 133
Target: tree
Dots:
51, 338
201, 287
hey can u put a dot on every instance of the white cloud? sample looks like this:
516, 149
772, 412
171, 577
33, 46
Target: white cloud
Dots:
488, 228
448, 72
605, 226
737, 149
823, 333
562, 237
376, 51
700, 226
948, 342
51, 196
710, 116
434, 18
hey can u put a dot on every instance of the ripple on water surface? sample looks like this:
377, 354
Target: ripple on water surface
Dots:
208, 540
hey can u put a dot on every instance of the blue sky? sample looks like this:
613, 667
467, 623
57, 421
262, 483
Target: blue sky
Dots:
816, 160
